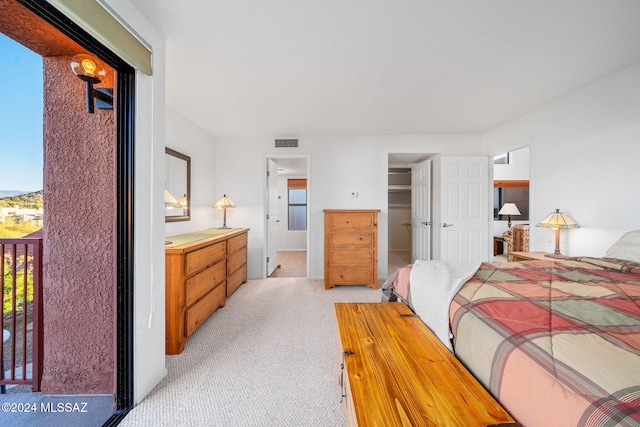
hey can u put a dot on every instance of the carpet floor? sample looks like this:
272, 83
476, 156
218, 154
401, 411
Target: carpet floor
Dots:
291, 264
268, 358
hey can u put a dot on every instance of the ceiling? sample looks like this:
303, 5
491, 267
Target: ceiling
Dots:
290, 68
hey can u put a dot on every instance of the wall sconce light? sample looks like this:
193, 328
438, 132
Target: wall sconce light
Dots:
223, 203
91, 71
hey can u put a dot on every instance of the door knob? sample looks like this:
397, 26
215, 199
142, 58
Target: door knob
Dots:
444, 225
426, 222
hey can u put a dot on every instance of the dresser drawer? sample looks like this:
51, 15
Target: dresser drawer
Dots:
201, 310
237, 242
347, 239
352, 275
350, 221
203, 282
199, 259
236, 279
236, 260
353, 257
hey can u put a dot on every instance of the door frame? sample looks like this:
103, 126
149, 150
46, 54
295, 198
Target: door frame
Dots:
125, 126
276, 156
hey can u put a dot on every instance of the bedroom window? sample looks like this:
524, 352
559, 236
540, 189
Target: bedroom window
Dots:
297, 189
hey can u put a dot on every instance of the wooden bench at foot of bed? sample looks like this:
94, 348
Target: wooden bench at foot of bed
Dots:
397, 373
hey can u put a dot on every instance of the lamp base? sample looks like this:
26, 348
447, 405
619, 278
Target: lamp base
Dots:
224, 227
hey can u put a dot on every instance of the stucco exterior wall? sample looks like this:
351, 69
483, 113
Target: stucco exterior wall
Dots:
79, 271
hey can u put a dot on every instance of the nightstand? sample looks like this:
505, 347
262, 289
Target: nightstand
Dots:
528, 256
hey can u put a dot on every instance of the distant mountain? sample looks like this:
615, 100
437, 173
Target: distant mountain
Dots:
24, 200
8, 193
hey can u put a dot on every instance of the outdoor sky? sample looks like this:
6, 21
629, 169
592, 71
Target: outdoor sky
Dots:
20, 117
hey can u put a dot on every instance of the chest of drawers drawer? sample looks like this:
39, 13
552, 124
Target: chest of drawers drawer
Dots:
203, 282
199, 259
351, 239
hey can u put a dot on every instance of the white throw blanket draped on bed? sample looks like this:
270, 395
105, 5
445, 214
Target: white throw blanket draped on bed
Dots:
433, 286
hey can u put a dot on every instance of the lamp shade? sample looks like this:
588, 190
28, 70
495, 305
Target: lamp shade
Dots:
557, 220
182, 201
509, 209
169, 200
224, 202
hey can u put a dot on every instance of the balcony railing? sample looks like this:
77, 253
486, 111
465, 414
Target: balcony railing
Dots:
21, 321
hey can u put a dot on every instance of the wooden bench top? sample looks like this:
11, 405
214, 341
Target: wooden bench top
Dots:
401, 375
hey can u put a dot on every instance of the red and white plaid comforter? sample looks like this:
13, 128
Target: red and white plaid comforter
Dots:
556, 342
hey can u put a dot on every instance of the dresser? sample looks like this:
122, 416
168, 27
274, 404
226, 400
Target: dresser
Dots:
202, 270
350, 248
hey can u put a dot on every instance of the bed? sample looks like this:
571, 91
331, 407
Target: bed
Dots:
556, 341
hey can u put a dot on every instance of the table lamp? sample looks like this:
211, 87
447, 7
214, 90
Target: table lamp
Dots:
557, 220
509, 209
223, 203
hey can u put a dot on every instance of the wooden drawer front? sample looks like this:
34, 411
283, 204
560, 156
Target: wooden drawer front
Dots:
236, 279
236, 260
345, 239
197, 314
352, 257
237, 242
199, 259
203, 282
358, 275
350, 221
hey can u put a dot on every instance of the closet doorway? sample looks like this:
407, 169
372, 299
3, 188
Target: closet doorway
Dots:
409, 206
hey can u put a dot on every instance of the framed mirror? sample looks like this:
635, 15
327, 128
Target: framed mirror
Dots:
177, 186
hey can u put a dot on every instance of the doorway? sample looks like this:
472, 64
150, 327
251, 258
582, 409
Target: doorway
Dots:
79, 240
287, 216
406, 221
511, 203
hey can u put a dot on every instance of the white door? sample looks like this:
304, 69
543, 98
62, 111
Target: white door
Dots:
272, 216
464, 213
421, 210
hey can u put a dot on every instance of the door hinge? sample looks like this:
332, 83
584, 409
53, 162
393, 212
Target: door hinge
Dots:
267, 217
268, 260
268, 173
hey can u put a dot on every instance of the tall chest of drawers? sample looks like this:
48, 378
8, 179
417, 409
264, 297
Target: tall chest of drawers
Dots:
350, 247
202, 270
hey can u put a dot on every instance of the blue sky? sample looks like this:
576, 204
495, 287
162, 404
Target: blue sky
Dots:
20, 117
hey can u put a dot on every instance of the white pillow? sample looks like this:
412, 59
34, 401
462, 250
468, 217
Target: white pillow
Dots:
627, 247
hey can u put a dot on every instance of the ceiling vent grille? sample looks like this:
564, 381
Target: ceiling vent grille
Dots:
287, 143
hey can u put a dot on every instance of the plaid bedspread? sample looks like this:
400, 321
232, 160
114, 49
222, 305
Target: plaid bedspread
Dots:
556, 342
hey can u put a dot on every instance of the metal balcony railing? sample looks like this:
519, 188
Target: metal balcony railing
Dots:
21, 321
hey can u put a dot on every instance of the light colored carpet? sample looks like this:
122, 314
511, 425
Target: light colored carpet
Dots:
397, 259
268, 358
292, 264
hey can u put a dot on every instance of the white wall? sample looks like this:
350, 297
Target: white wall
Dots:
585, 151
187, 138
338, 166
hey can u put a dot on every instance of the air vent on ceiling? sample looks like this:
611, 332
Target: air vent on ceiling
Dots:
287, 143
